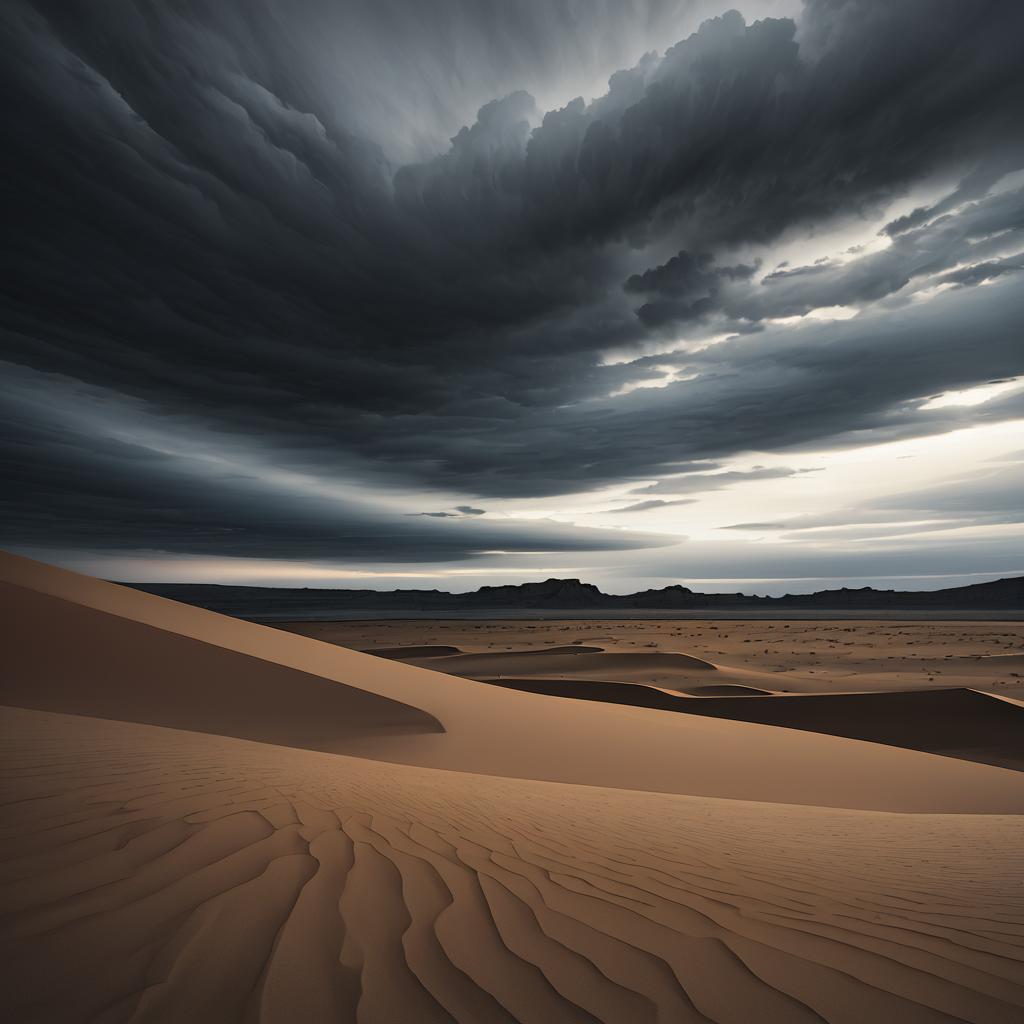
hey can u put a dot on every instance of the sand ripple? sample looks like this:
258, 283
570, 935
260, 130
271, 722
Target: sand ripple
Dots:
156, 875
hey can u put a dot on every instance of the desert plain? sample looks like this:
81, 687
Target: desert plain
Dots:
205, 819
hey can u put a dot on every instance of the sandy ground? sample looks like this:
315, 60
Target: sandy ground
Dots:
799, 656
922, 685
400, 844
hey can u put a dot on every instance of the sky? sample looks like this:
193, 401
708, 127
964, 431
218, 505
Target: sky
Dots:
449, 293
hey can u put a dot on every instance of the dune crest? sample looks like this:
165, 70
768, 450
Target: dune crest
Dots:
578, 661
111, 666
432, 719
154, 874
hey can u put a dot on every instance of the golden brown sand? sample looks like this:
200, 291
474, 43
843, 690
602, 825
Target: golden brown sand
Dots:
797, 656
928, 686
538, 860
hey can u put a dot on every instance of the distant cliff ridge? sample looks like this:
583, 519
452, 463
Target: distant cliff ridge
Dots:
571, 595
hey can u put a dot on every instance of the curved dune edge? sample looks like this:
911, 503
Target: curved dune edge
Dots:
413, 651
69, 657
954, 722
572, 661
797, 656
725, 690
149, 874
982, 663
487, 730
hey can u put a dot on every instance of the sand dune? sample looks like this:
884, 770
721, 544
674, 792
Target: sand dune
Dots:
485, 729
575, 862
580, 662
817, 656
984, 665
411, 652
955, 722
155, 875
109, 666
418, 652
723, 690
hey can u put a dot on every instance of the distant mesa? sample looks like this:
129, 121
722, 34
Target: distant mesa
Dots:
574, 595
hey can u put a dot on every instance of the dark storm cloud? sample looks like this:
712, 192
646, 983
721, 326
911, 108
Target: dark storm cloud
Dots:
63, 488
646, 506
210, 219
460, 511
684, 288
699, 483
853, 382
974, 186
979, 230
981, 272
741, 131
689, 289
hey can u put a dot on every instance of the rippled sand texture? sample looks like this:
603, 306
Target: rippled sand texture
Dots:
429, 848
154, 874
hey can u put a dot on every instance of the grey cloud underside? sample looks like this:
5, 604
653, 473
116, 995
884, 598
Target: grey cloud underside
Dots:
646, 506
892, 558
987, 497
203, 222
460, 512
982, 229
700, 483
126, 496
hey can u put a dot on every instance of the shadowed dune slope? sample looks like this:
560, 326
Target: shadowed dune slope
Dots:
407, 653
797, 656
72, 658
153, 875
724, 690
956, 722
53, 640
580, 662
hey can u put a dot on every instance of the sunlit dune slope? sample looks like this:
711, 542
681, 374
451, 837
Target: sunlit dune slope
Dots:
959, 723
65, 627
153, 875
